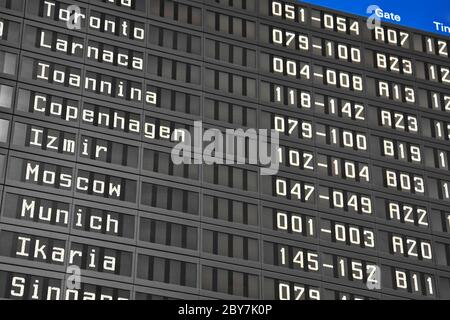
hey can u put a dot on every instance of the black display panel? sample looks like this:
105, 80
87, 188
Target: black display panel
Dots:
95, 96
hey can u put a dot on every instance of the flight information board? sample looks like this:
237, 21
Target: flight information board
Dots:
94, 96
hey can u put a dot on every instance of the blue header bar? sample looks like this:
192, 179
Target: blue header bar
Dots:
428, 15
